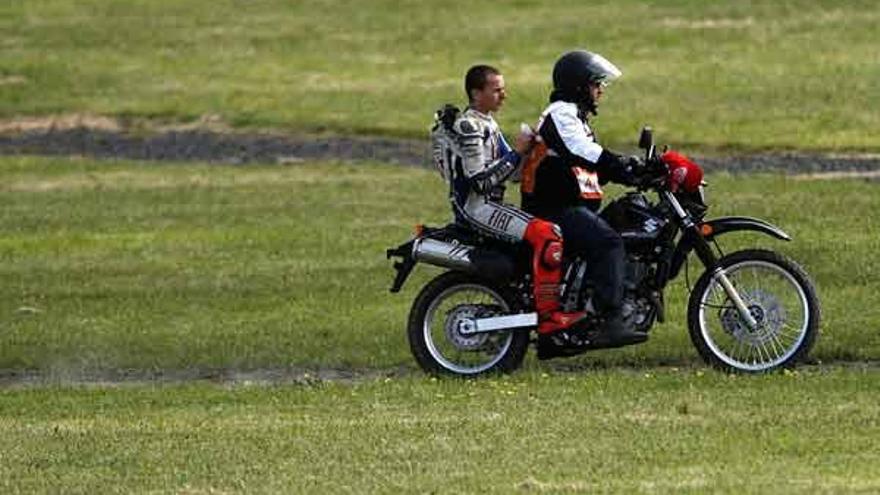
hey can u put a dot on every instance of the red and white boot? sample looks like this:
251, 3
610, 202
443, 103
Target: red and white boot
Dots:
546, 241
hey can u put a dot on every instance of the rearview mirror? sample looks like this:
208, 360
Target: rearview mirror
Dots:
646, 140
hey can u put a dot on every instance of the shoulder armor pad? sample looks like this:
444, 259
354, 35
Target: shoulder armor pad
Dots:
467, 127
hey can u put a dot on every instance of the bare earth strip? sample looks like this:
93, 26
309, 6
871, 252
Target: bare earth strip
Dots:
208, 141
207, 145
311, 376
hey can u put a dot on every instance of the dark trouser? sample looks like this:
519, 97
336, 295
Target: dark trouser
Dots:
586, 234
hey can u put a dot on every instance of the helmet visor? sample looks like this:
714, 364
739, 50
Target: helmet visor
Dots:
602, 71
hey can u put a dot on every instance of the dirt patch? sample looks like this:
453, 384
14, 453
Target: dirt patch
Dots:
209, 139
13, 80
224, 376
59, 123
679, 23
873, 175
210, 146
303, 376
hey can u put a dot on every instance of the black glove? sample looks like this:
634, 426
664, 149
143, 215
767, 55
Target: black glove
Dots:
632, 170
643, 175
653, 172
620, 168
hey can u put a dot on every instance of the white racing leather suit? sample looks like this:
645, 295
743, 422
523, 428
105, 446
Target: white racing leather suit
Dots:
477, 179
478, 163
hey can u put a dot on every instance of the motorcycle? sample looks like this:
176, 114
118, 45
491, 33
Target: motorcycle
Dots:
750, 311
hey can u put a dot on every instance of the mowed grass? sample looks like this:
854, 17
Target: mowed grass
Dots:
148, 267
669, 431
167, 267
765, 74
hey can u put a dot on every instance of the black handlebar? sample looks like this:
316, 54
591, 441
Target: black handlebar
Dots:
652, 175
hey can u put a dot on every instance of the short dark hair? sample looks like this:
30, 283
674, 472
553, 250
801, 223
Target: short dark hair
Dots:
476, 78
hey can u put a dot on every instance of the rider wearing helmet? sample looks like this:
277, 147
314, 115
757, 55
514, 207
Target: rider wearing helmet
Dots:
565, 184
479, 164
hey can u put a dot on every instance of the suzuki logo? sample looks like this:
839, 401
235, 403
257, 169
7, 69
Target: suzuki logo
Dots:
650, 225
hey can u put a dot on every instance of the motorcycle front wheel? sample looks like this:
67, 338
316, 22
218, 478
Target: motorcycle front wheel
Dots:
437, 316
780, 297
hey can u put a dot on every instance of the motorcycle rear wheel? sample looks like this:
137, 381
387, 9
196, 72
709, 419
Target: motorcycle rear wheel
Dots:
438, 346
779, 295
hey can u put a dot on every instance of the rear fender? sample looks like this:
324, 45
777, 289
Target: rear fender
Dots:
404, 266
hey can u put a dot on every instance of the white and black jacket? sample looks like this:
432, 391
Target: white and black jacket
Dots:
575, 165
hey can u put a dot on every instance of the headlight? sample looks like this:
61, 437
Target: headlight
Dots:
694, 202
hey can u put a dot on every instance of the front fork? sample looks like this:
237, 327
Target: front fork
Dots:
710, 260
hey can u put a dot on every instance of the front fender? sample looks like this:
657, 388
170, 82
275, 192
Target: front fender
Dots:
711, 229
723, 225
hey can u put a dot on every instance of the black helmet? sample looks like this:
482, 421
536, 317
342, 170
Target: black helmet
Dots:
577, 68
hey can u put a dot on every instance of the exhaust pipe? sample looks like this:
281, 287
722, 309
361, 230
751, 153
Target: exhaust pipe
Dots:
484, 262
439, 253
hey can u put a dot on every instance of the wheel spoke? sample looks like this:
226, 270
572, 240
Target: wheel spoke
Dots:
776, 342
772, 344
737, 349
759, 347
787, 328
750, 355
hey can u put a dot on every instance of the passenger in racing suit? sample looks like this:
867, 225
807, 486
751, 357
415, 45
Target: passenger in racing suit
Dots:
563, 179
483, 162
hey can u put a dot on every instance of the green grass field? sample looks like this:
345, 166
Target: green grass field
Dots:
615, 431
128, 265
119, 268
797, 74
113, 268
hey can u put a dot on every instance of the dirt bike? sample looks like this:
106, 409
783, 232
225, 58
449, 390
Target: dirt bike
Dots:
750, 311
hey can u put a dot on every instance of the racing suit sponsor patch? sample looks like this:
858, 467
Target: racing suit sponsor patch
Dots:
588, 182
500, 220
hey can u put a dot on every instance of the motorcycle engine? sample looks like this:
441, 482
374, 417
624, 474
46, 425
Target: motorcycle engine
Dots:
639, 309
